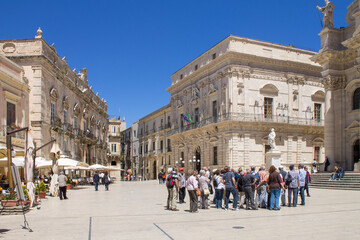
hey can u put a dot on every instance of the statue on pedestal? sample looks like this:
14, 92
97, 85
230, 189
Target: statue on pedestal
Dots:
327, 12
271, 139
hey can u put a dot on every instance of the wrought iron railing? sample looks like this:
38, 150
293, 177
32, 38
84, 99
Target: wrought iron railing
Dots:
246, 117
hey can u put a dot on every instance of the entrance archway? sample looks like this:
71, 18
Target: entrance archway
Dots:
356, 151
198, 158
154, 170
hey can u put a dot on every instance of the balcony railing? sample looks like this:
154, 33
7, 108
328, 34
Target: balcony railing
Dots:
168, 149
67, 127
245, 117
55, 122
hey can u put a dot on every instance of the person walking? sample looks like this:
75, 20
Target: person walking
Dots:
96, 179
192, 186
302, 181
229, 180
293, 180
274, 185
182, 185
173, 189
106, 181
307, 181
283, 190
248, 185
62, 185
160, 177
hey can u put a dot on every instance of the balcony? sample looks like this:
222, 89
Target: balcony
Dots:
246, 117
168, 149
55, 123
67, 127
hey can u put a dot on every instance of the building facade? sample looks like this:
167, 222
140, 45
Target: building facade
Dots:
225, 102
62, 104
339, 58
154, 144
14, 104
116, 125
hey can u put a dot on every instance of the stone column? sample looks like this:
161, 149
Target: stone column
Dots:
247, 150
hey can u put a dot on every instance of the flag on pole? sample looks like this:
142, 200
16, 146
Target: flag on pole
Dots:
190, 118
186, 119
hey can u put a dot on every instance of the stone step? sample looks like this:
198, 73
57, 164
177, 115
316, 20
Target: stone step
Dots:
337, 188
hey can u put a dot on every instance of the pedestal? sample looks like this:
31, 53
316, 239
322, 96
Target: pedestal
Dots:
273, 157
357, 167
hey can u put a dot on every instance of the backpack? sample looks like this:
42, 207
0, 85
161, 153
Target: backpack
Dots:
215, 183
240, 183
288, 179
170, 181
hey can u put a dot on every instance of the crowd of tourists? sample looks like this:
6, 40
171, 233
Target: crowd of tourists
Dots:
249, 189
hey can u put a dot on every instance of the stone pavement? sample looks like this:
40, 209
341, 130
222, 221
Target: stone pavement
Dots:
135, 210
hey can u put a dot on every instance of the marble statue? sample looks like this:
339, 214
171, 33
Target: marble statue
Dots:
271, 139
327, 12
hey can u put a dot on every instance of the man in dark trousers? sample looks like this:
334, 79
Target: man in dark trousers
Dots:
307, 181
283, 191
96, 180
248, 185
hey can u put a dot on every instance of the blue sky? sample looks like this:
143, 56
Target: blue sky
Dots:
131, 47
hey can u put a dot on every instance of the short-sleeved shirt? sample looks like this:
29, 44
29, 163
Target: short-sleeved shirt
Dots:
227, 177
62, 180
248, 179
218, 180
302, 177
203, 182
191, 183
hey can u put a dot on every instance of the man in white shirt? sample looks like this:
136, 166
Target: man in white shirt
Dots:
62, 185
302, 178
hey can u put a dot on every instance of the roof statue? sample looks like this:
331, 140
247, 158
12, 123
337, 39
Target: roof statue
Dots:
327, 12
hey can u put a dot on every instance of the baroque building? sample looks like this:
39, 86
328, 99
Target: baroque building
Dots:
14, 107
62, 105
339, 58
154, 144
225, 102
116, 126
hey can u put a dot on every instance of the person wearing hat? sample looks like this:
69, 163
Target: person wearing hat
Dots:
182, 185
62, 185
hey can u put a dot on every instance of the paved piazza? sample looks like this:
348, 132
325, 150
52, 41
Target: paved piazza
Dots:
135, 210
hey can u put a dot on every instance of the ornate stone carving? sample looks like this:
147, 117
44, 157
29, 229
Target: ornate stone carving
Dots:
327, 12
334, 82
296, 80
9, 47
212, 88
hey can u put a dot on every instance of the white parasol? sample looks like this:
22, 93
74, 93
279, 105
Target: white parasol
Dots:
29, 166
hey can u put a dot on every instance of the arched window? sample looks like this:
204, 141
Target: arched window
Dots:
356, 99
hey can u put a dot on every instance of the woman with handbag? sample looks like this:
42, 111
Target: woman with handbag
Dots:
274, 186
204, 188
193, 190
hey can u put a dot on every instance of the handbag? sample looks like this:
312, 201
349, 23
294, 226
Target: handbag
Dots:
198, 192
206, 192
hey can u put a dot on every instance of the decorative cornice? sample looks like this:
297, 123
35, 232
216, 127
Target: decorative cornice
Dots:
335, 56
334, 82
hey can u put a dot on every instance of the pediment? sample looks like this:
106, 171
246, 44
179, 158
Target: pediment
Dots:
269, 89
319, 96
353, 126
214, 139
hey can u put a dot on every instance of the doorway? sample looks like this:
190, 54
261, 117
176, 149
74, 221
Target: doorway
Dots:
356, 152
198, 159
154, 170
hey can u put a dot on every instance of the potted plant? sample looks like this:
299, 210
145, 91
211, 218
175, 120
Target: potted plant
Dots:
37, 192
42, 188
26, 195
9, 200
68, 184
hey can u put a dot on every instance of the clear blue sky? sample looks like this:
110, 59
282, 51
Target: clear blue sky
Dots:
131, 47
